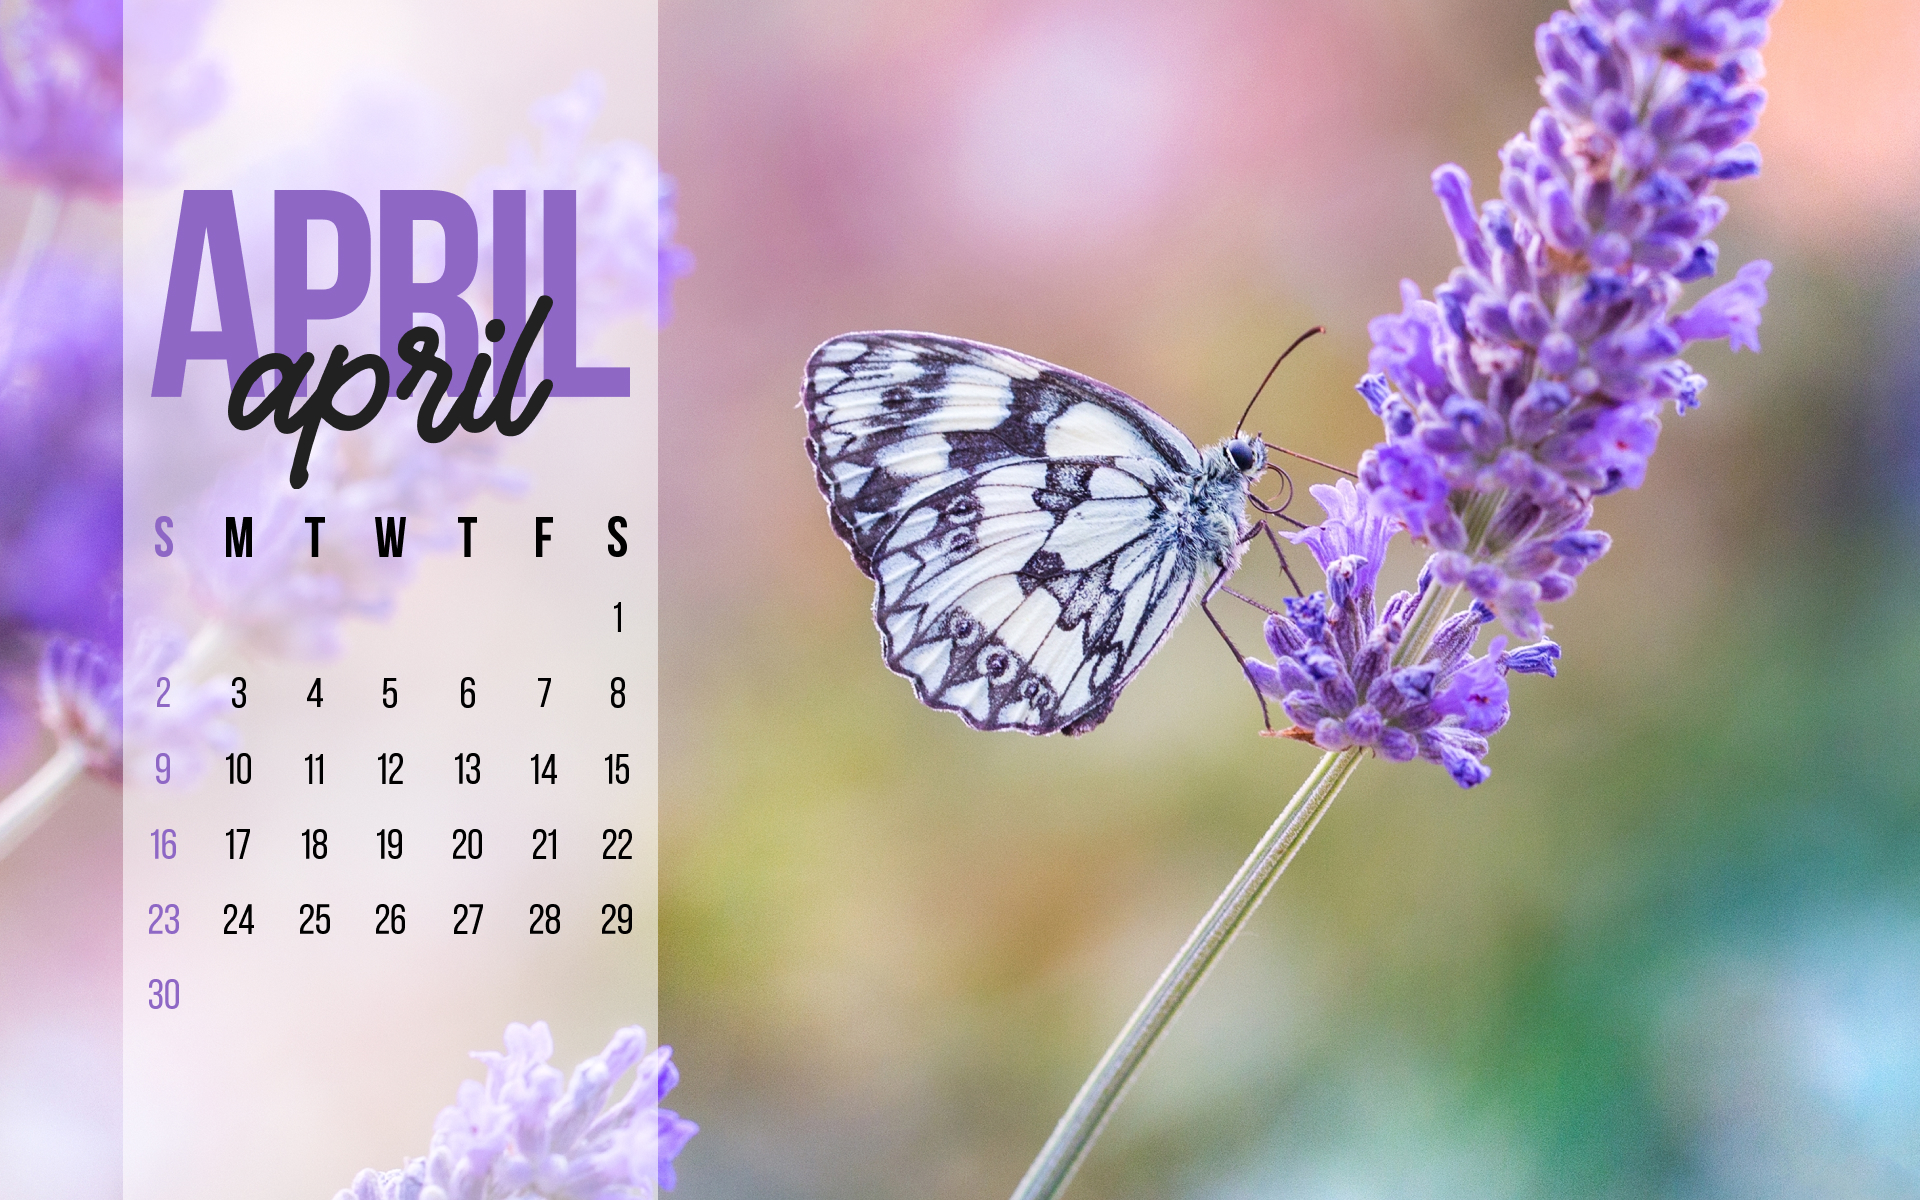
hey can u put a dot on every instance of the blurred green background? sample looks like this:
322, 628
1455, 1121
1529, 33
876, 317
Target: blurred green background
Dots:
1671, 949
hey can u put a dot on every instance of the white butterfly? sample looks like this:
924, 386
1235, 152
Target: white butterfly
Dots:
1034, 534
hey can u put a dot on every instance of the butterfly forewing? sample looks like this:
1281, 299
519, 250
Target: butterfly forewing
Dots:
1019, 521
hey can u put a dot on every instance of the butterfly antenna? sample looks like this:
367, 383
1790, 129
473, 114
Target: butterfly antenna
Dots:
1270, 370
1306, 458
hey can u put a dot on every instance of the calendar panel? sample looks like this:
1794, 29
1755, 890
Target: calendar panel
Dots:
391, 689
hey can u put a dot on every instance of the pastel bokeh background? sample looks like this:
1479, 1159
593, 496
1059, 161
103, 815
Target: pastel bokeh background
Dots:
1672, 948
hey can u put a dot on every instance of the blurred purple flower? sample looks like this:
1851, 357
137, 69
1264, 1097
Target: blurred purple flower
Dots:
524, 1135
80, 700
63, 90
60, 95
1534, 376
1333, 669
627, 260
60, 458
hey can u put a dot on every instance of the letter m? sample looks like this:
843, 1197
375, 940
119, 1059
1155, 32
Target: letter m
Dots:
391, 537
240, 538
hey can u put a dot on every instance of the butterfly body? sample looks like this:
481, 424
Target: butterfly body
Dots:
1032, 533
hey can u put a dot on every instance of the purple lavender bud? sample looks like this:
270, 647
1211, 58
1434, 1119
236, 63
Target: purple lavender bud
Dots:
1549, 140
1695, 220
1550, 47
1518, 606
1610, 250
1467, 771
1662, 251
1265, 678
1515, 516
1563, 225
1415, 684
1455, 191
1443, 440
1452, 297
1530, 560
1484, 581
1584, 545
1477, 693
1706, 258
1399, 417
1309, 613
1337, 691
1284, 638
1403, 346
1375, 390
1480, 427
1304, 709
1294, 677
1537, 659
1331, 734
1530, 317
1455, 634
1496, 222
1406, 484
1397, 745
1555, 587
1730, 311
1559, 353
1447, 531
1364, 725
1639, 149
1449, 567
1536, 411
1589, 311
1686, 396
1341, 574
1488, 319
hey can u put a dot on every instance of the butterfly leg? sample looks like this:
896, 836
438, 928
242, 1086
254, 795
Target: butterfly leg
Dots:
1285, 568
1239, 660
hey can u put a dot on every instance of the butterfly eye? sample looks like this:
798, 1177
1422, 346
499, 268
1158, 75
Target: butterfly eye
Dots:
1242, 455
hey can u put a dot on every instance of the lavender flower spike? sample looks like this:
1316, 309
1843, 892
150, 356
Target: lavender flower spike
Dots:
1533, 379
524, 1135
1334, 671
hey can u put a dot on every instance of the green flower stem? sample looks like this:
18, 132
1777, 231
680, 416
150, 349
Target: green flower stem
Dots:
1087, 1115
34, 801
1075, 1134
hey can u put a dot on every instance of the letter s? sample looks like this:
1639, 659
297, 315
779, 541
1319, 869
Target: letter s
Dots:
163, 547
618, 547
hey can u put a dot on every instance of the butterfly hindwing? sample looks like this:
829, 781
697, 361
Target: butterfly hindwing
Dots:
1022, 523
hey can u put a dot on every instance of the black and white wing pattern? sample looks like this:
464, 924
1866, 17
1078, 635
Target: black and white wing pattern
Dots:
1033, 534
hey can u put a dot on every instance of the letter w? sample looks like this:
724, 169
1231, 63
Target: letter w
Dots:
392, 538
